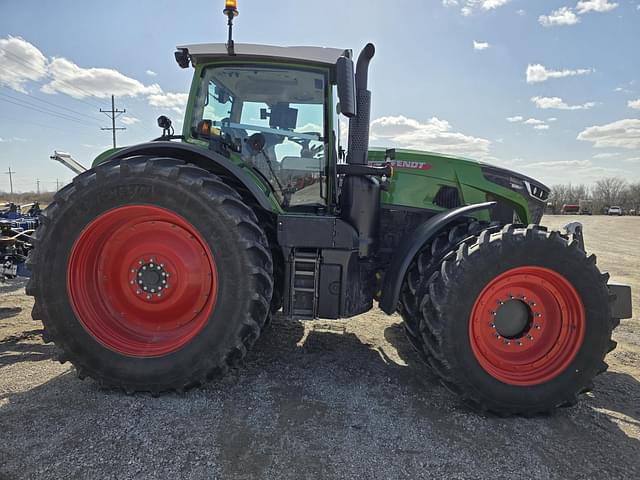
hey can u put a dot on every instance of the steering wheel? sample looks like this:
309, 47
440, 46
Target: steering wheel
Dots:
304, 143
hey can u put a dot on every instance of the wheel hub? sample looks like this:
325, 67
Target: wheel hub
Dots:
150, 279
513, 319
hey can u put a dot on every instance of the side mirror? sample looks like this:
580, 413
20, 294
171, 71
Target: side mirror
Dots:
346, 86
164, 122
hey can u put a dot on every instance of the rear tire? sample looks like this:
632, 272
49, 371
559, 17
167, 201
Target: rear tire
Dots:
487, 357
116, 223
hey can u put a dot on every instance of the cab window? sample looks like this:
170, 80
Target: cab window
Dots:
275, 118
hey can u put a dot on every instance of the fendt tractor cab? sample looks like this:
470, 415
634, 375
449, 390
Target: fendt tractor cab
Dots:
159, 267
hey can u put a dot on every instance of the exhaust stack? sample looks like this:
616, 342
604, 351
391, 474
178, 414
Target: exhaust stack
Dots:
359, 125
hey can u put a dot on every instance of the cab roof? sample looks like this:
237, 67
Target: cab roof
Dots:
205, 52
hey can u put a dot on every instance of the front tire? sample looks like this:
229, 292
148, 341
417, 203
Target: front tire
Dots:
150, 274
518, 321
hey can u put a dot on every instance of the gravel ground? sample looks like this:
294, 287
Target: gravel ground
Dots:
345, 399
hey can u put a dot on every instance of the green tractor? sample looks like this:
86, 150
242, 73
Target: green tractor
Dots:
157, 269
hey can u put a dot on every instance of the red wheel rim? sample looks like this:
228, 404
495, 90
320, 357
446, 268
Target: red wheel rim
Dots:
551, 337
141, 280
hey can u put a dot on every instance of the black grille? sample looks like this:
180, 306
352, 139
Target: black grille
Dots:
447, 197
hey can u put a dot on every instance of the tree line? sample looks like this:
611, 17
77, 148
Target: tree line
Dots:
606, 192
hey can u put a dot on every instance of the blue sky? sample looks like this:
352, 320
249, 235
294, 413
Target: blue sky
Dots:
544, 87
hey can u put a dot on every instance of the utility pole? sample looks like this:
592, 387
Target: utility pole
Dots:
38, 186
10, 173
113, 114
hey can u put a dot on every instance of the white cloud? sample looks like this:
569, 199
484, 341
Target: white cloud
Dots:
567, 16
585, 6
491, 4
171, 101
20, 62
562, 16
480, 45
606, 155
620, 134
551, 119
539, 73
635, 104
534, 122
521, 12
559, 104
560, 164
151, 73
434, 135
128, 120
78, 82
469, 6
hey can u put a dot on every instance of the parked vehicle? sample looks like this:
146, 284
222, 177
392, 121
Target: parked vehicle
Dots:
615, 211
570, 210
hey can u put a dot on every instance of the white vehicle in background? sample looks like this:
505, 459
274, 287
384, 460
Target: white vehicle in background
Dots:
615, 211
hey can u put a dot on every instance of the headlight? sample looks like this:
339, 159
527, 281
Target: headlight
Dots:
533, 191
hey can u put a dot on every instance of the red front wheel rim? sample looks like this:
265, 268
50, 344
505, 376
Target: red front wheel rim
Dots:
142, 280
527, 326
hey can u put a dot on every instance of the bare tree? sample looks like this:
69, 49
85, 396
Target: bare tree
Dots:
610, 190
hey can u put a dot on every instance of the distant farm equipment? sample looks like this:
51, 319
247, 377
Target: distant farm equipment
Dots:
17, 225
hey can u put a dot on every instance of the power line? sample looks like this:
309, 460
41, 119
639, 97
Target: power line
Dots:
31, 97
113, 114
46, 110
10, 173
55, 114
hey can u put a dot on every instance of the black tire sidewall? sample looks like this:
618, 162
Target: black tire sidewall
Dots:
216, 228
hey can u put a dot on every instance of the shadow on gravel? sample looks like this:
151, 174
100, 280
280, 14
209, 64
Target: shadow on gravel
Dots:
20, 348
8, 312
324, 403
11, 286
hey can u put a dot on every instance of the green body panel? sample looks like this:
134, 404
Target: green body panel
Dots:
104, 156
418, 176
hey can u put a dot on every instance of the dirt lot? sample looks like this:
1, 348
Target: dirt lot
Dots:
344, 399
